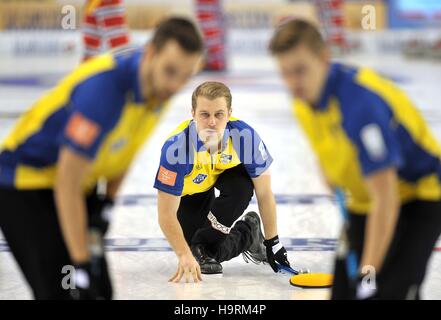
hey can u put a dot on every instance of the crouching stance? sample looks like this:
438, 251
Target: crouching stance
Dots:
215, 151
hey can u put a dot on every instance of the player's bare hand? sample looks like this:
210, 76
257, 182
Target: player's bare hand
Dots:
188, 268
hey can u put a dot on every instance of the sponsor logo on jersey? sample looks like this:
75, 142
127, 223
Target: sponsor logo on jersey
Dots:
200, 178
226, 158
82, 130
118, 144
166, 176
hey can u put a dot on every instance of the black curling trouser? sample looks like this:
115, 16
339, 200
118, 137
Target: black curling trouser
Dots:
29, 223
208, 220
404, 268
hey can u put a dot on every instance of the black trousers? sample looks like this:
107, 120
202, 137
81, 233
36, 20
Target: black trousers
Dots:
207, 220
29, 223
404, 268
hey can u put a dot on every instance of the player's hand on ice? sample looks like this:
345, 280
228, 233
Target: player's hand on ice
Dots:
188, 268
275, 252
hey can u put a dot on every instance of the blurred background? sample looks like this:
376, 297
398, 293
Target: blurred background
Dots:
53, 28
40, 41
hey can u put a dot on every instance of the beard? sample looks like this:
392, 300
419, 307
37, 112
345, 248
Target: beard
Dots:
151, 92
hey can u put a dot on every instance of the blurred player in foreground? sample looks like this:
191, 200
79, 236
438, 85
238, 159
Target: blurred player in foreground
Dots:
89, 127
214, 150
372, 142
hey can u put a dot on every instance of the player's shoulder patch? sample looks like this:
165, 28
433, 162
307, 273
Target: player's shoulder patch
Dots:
82, 130
167, 177
373, 141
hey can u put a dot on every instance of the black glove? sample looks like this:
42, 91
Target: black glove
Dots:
98, 209
85, 284
92, 281
280, 256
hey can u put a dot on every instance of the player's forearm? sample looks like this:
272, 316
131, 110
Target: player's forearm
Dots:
173, 232
379, 231
168, 206
72, 210
71, 204
267, 209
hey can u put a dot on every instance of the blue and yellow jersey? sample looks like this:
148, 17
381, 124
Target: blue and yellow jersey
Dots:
187, 167
364, 123
97, 110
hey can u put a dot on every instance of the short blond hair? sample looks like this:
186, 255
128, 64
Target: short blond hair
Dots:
296, 32
211, 90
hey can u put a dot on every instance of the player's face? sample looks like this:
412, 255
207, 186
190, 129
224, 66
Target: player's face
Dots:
211, 117
304, 72
164, 72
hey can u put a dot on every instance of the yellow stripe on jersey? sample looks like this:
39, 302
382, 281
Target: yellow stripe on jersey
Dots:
427, 188
33, 119
133, 129
33, 178
205, 164
179, 129
338, 155
335, 151
188, 169
404, 110
118, 147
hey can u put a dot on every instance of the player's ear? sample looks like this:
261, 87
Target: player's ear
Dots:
149, 51
193, 113
230, 112
325, 55
199, 66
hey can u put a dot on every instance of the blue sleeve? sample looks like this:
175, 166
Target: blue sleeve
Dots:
174, 166
373, 131
252, 151
95, 108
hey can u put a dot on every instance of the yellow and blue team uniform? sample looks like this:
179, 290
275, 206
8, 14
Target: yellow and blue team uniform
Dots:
98, 111
187, 167
363, 123
188, 170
